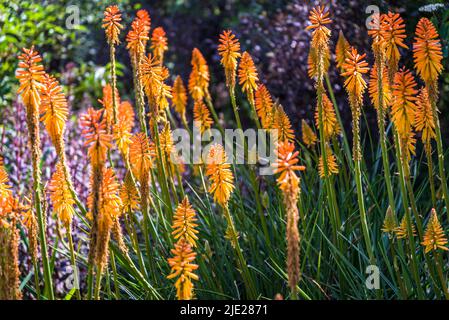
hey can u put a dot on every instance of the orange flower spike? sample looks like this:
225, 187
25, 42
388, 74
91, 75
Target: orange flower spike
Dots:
180, 97
111, 24
184, 223
201, 116
199, 77
354, 67
329, 118
286, 165
159, 43
424, 121
53, 109
218, 170
319, 17
140, 155
282, 124
248, 76
393, 33
30, 75
427, 51
144, 17
404, 108
341, 50
61, 197
5, 188
308, 136
95, 133
137, 37
264, 106
182, 268
229, 50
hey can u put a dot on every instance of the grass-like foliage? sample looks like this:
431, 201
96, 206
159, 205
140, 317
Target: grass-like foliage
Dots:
156, 228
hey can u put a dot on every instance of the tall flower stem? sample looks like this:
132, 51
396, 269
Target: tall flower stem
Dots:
382, 134
233, 237
428, 150
138, 92
113, 82
440, 156
73, 261
33, 128
214, 113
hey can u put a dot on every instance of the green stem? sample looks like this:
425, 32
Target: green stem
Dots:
73, 261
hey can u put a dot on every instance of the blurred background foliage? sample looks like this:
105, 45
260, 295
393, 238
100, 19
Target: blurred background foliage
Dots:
272, 31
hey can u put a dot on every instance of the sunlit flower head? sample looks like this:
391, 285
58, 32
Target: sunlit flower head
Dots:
179, 97
373, 88
159, 43
182, 268
140, 155
229, 50
264, 106
31, 75
308, 136
329, 118
61, 197
111, 24
53, 109
184, 223
199, 77
319, 18
218, 170
341, 50
434, 237
201, 116
248, 76
95, 133
427, 51
393, 33
354, 68
403, 108
331, 163
286, 164
282, 123
424, 121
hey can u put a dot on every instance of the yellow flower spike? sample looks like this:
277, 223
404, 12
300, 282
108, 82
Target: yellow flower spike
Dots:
264, 106
403, 107
373, 90
53, 109
401, 230
151, 77
159, 43
199, 77
184, 223
427, 51
111, 24
218, 170
354, 67
96, 136
424, 121
248, 76
61, 197
201, 116
180, 97
182, 268
281, 123
434, 237
331, 161
229, 50
341, 50
129, 195
140, 155
329, 118
308, 136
